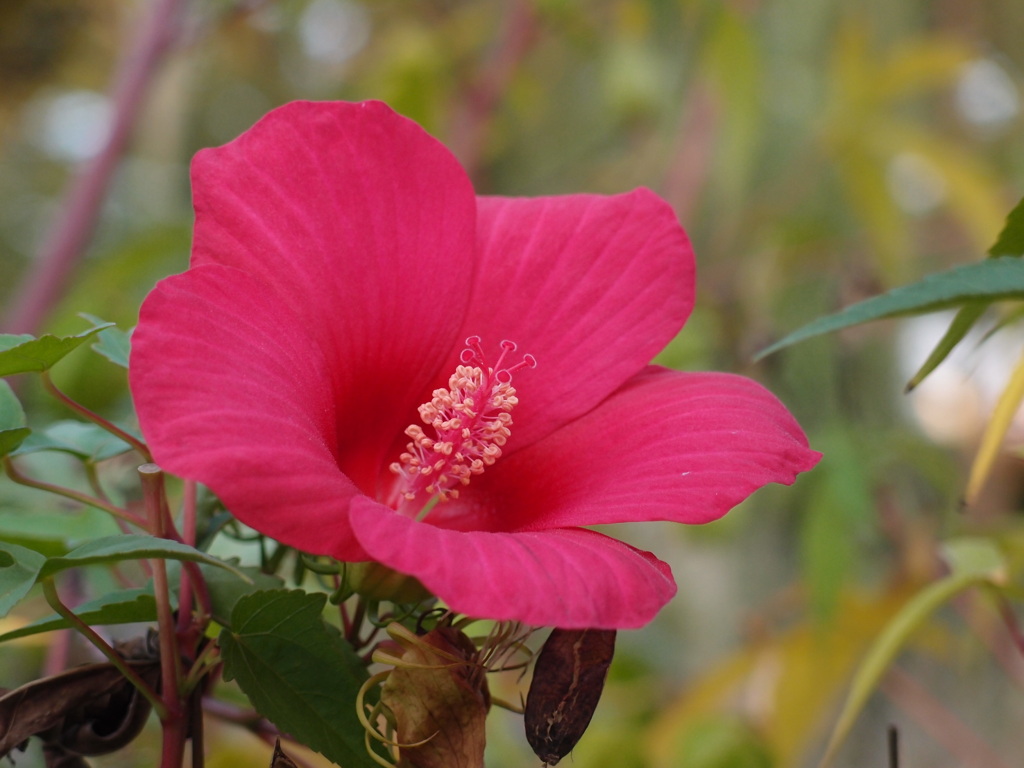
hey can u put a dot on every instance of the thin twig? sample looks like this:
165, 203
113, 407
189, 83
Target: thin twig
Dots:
173, 724
68, 493
44, 283
140, 447
941, 724
482, 96
188, 527
692, 157
50, 592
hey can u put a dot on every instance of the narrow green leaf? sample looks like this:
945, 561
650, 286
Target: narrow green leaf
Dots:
124, 607
298, 671
1011, 240
89, 442
112, 549
973, 562
965, 319
114, 344
12, 420
989, 280
19, 568
22, 353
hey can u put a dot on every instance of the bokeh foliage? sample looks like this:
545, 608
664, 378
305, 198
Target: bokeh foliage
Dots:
817, 152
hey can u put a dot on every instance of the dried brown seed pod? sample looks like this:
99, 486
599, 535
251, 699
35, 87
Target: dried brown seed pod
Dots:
567, 682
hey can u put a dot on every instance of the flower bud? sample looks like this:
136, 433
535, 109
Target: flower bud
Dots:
439, 698
378, 582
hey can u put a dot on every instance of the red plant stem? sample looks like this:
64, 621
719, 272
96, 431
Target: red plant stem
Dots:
45, 281
1010, 619
68, 493
941, 724
694, 152
140, 447
245, 718
481, 98
249, 720
1006, 648
174, 723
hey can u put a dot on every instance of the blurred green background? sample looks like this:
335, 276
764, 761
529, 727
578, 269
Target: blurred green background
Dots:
817, 152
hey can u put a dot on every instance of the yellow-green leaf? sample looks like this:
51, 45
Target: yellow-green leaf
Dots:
995, 432
973, 562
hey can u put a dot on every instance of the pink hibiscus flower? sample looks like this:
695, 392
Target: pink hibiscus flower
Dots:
366, 360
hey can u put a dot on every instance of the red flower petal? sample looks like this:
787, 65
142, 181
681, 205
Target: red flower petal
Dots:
570, 578
685, 447
232, 392
365, 227
591, 286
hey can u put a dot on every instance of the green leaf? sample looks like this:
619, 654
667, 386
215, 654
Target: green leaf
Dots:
989, 280
973, 561
111, 549
226, 589
114, 344
22, 353
19, 568
89, 442
965, 319
297, 671
12, 420
1011, 240
52, 532
124, 607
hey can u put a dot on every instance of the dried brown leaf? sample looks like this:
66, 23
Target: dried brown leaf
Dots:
89, 710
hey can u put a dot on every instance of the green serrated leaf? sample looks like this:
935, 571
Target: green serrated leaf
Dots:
961, 325
297, 671
226, 589
112, 549
1011, 240
125, 607
990, 280
114, 344
19, 568
22, 353
89, 442
973, 561
12, 420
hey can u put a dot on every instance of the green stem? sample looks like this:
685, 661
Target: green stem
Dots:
95, 418
97, 488
50, 592
81, 498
